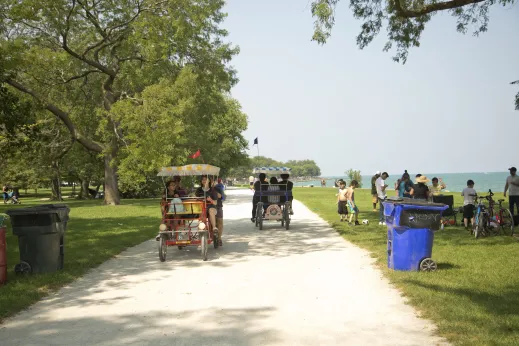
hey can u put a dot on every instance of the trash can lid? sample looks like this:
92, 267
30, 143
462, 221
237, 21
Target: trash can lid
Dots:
40, 209
409, 203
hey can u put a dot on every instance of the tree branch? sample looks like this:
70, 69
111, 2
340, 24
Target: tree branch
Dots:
63, 116
93, 20
80, 76
439, 6
92, 63
129, 21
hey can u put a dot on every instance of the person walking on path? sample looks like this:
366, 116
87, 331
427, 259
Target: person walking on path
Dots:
381, 195
512, 184
374, 198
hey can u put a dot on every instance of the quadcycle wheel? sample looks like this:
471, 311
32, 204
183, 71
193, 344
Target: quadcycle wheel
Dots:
506, 221
215, 240
163, 248
204, 245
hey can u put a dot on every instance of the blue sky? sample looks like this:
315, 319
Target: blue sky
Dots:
448, 109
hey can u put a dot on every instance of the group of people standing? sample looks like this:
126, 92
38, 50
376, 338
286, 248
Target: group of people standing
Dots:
404, 188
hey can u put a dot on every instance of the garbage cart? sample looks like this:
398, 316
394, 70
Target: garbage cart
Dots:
40, 232
410, 233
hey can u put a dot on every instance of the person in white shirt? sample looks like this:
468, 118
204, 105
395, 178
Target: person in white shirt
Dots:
381, 186
512, 183
469, 195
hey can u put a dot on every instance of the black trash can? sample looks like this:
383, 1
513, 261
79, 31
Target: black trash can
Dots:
40, 232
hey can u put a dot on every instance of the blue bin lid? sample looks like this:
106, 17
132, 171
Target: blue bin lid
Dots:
411, 204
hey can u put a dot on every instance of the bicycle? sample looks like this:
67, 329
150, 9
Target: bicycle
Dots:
502, 216
481, 226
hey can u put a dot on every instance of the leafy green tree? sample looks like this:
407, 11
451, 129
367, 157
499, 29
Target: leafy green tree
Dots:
354, 175
84, 167
299, 168
404, 20
176, 118
79, 58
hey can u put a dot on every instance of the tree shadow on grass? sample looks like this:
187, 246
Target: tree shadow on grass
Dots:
447, 265
504, 302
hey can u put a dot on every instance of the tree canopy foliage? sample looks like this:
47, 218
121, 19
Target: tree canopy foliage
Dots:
404, 20
139, 83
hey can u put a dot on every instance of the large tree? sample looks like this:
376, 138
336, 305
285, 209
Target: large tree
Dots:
79, 58
405, 20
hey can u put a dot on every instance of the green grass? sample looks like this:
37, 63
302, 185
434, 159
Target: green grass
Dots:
95, 233
473, 297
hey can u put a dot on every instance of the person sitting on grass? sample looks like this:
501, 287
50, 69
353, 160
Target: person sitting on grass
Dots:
350, 197
469, 195
342, 201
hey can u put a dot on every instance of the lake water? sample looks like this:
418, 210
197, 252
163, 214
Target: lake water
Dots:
455, 181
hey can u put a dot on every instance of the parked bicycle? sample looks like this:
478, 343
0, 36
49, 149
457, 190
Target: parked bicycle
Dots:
500, 218
481, 226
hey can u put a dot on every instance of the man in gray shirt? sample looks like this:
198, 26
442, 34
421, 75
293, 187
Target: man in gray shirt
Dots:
512, 184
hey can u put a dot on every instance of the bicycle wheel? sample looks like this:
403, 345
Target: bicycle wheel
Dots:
479, 231
506, 221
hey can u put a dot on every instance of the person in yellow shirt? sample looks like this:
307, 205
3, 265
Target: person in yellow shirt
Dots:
437, 187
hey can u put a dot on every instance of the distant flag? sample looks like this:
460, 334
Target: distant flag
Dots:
195, 155
255, 141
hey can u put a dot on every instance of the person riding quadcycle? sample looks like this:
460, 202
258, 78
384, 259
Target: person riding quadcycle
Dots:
272, 201
186, 220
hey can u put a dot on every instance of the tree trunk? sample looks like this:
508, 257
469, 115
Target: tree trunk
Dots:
83, 193
111, 188
56, 183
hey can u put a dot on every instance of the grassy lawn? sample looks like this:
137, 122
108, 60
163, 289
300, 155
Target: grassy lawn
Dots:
95, 233
473, 297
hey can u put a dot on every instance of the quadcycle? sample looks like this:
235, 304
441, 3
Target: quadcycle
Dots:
273, 201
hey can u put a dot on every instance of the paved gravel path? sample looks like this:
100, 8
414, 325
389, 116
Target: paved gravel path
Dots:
306, 286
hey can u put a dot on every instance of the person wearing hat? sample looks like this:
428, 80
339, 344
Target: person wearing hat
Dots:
420, 189
512, 183
374, 196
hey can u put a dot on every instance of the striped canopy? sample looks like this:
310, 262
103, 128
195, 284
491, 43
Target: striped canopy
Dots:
271, 170
189, 170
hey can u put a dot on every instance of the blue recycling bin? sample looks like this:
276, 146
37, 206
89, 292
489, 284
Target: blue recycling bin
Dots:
410, 233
